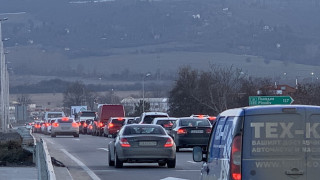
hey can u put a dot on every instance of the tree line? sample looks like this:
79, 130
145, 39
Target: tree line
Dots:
195, 92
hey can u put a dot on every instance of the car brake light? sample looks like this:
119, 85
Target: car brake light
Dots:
124, 142
65, 119
55, 124
235, 160
85, 125
75, 124
182, 131
120, 119
200, 116
110, 125
90, 127
208, 130
169, 143
101, 124
47, 124
212, 118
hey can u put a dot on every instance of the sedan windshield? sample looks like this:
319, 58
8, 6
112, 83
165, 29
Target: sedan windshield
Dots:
194, 122
143, 130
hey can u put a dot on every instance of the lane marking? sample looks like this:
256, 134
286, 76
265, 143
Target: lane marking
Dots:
48, 140
173, 178
189, 170
105, 149
69, 174
83, 166
76, 139
192, 162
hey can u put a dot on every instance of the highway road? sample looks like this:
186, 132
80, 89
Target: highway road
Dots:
86, 158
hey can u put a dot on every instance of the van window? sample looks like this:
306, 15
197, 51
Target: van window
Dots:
220, 142
55, 115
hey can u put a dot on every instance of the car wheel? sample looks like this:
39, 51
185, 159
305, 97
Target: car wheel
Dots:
162, 164
76, 135
110, 162
171, 163
177, 149
53, 135
118, 163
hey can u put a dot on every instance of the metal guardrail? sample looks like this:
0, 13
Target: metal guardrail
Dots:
40, 152
44, 164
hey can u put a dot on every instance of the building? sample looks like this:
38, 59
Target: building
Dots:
156, 104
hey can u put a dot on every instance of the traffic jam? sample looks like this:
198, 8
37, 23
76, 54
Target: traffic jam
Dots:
238, 144
153, 137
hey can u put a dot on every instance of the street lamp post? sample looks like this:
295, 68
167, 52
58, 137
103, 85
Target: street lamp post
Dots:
143, 79
3, 74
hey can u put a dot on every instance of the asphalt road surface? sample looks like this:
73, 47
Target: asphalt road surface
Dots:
86, 158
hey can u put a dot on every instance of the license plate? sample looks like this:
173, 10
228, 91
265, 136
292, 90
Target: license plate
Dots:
196, 131
65, 128
147, 143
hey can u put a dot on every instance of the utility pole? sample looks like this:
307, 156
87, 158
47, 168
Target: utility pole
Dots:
3, 83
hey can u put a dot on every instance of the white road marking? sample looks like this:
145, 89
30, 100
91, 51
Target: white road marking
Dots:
172, 178
76, 139
49, 141
105, 149
83, 166
188, 170
192, 162
69, 174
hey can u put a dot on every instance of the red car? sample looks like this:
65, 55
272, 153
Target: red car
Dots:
113, 125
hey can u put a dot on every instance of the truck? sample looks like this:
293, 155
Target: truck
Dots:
106, 111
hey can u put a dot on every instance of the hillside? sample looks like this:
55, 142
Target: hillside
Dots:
82, 39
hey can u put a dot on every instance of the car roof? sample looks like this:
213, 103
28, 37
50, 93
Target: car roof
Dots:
165, 118
155, 113
252, 110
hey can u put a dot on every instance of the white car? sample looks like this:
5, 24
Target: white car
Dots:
65, 126
147, 117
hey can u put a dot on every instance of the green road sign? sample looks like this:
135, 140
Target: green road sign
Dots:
269, 100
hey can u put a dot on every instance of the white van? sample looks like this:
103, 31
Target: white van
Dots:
49, 115
262, 143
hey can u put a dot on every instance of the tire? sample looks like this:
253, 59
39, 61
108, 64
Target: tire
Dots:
171, 163
177, 149
53, 135
161, 164
110, 162
76, 135
117, 163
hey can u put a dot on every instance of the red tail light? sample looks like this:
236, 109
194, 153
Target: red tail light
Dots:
47, 124
208, 130
169, 143
124, 142
110, 125
85, 125
101, 124
37, 126
235, 160
75, 124
182, 131
90, 127
55, 124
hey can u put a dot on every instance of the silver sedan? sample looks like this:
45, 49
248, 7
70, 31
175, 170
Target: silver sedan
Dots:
142, 143
64, 126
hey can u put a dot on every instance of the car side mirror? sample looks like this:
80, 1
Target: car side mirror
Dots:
197, 154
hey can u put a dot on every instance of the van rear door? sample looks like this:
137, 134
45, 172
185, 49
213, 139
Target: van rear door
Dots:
273, 145
313, 142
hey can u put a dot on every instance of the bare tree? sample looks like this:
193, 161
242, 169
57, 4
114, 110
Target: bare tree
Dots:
75, 95
24, 99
